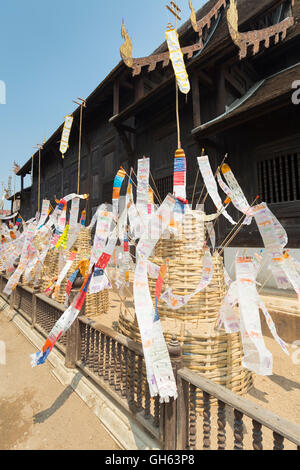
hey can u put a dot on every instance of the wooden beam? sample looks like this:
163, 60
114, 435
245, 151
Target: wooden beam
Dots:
234, 83
128, 128
206, 80
116, 104
139, 90
149, 83
127, 85
196, 101
221, 94
250, 70
127, 145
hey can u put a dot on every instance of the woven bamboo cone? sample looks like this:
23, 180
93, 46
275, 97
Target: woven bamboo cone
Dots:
209, 352
96, 304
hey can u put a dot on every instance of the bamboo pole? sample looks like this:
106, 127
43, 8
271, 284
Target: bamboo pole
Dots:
236, 226
79, 150
39, 183
82, 104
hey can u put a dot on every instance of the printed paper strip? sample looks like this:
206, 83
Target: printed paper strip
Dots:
176, 57
211, 186
177, 301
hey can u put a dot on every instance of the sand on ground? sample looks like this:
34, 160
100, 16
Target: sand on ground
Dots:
36, 411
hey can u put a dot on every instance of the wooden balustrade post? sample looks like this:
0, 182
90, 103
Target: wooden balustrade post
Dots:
182, 414
169, 410
34, 307
73, 343
12, 299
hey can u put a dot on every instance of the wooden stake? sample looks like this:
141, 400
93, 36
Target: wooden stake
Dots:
236, 226
39, 190
40, 148
82, 104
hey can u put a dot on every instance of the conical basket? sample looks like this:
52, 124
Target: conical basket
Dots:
206, 350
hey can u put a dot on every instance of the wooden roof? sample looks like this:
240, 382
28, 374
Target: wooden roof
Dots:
273, 92
248, 9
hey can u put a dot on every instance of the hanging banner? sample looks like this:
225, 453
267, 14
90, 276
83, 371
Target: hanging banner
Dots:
212, 234
153, 270
227, 278
234, 191
150, 201
64, 143
27, 254
118, 181
60, 216
177, 60
179, 180
8, 217
177, 301
256, 356
273, 234
62, 208
99, 281
275, 238
244, 293
74, 227
291, 273
227, 315
158, 366
63, 274
62, 325
142, 192
211, 186
44, 212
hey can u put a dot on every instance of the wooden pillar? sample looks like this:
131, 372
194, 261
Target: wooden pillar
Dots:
170, 409
22, 182
138, 88
12, 299
196, 101
62, 177
73, 346
182, 414
34, 307
116, 105
90, 186
221, 94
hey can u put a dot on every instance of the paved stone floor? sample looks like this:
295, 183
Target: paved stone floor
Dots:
36, 411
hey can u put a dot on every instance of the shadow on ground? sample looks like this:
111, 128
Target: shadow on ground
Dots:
59, 402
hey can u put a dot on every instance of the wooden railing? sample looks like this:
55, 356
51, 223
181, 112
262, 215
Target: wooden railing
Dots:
116, 364
229, 404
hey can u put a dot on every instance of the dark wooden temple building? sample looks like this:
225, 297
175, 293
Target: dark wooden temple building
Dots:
237, 105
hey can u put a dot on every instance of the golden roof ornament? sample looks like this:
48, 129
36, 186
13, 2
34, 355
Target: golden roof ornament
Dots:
199, 25
193, 16
126, 47
254, 38
153, 60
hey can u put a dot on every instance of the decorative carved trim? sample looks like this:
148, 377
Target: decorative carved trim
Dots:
244, 40
198, 26
153, 60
